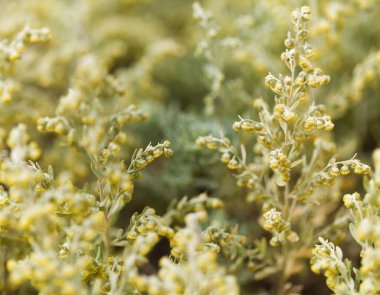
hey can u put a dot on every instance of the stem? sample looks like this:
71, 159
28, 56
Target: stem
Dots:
286, 199
283, 273
107, 240
100, 188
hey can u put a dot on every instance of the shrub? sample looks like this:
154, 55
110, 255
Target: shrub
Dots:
95, 94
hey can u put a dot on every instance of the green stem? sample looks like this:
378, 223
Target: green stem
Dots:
283, 274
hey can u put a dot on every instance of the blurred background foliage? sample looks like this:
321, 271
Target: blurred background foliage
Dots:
192, 80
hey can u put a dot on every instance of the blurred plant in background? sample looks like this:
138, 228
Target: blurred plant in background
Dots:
86, 87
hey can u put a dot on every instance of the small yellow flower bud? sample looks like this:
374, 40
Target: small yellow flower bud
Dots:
225, 158
233, 164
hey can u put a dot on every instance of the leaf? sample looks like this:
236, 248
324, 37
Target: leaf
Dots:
296, 163
352, 230
117, 206
366, 184
139, 152
233, 253
134, 155
265, 272
321, 240
332, 161
280, 181
339, 253
243, 153
119, 233
51, 172
294, 106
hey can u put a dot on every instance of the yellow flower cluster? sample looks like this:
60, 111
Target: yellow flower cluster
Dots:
196, 272
143, 157
280, 163
246, 174
327, 258
146, 222
11, 51
41, 270
280, 229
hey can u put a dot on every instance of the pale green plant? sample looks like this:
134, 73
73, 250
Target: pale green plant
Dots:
56, 225
118, 75
281, 174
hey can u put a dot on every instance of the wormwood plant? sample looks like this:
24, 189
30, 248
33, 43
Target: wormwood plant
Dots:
289, 171
71, 229
61, 239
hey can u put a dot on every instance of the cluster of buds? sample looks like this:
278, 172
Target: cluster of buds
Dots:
299, 18
280, 163
147, 222
323, 179
35, 215
366, 228
39, 270
313, 123
247, 179
120, 181
359, 167
281, 111
273, 220
130, 114
328, 258
229, 243
336, 169
186, 206
301, 15
280, 229
7, 88
70, 203
58, 125
113, 147
180, 242
317, 79
275, 84
352, 200
370, 261
91, 269
305, 64
70, 102
206, 277
211, 142
196, 270
249, 126
12, 50
265, 141
22, 148
19, 175
229, 155
142, 158
232, 162
144, 243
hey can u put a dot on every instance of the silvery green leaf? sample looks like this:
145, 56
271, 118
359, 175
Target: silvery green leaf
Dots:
339, 253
